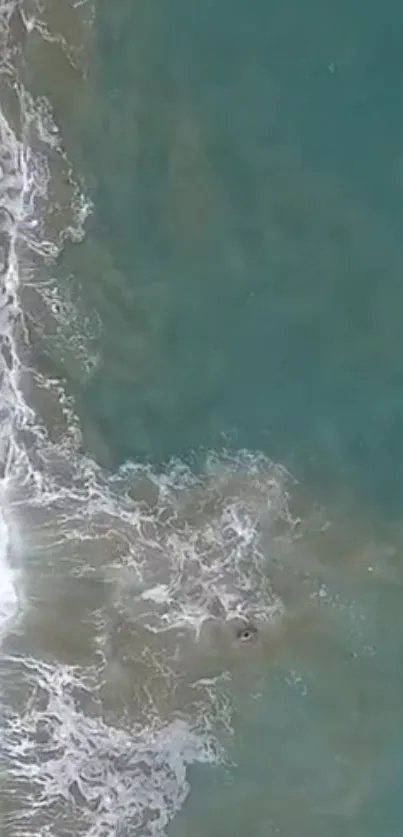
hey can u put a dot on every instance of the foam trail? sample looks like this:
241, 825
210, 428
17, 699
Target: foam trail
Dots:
87, 777
8, 593
68, 766
14, 191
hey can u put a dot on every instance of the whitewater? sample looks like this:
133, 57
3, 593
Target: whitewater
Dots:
66, 523
141, 610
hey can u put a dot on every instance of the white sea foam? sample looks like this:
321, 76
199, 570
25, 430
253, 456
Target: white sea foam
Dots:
14, 190
8, 592
163, 554
68, 768
69, 771
73, 773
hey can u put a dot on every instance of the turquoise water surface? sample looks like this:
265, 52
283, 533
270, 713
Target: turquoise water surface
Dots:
204, 203
246, 171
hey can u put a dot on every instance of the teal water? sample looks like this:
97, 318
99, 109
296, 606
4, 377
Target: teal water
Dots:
232, 299
246, 173
247, 176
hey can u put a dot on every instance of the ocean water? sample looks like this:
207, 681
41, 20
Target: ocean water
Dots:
200, 415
